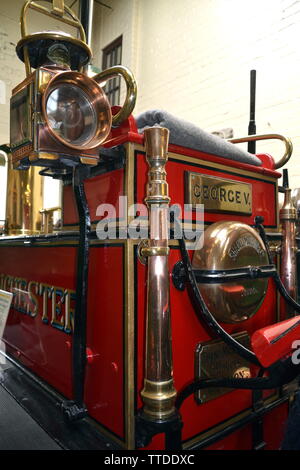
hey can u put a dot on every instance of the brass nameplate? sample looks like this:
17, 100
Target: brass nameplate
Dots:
216, 360
218, 194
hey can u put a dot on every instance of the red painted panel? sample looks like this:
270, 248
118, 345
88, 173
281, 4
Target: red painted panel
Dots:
274, 424
105, 188
239, 440
39, 345
105, 375
46, 350
262, 192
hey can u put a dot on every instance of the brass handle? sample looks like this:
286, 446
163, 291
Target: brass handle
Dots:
51, 209
288, 145
47, 214
130, 100
58, 12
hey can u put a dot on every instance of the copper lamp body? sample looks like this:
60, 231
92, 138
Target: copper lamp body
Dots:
59, 115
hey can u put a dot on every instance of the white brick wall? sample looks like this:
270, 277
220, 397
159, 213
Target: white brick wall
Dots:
193, 58
109, 24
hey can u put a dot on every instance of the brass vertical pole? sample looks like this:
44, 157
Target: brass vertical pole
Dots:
159, 392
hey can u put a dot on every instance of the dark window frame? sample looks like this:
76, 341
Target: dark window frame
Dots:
112, 55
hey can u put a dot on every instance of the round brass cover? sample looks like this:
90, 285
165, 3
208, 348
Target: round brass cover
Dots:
39, 43
232, 245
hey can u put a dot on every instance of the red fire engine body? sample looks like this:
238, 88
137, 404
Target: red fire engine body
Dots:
41, 270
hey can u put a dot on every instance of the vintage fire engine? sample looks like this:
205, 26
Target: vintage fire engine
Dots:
128, 343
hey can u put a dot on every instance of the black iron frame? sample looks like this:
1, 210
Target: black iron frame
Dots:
75, 409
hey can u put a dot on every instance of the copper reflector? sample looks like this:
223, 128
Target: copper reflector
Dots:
76, 111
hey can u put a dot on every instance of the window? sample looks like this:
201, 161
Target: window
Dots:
112, 55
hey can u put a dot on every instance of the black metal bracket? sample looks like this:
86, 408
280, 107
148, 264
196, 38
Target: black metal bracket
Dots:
72, 412
146, 429
179, 277
110, 159
219, 276
258, 442
76, 409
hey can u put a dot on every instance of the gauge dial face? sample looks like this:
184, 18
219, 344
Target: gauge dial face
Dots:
71, 115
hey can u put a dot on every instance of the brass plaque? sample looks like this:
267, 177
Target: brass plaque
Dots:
218, 194
216, 360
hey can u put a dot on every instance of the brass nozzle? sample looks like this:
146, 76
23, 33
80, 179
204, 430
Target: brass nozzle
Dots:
288, 210
156, 145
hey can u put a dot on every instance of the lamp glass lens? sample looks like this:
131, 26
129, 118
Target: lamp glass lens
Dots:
71, 115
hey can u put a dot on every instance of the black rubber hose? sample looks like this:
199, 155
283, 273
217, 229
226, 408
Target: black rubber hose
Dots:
258, 383
280, 373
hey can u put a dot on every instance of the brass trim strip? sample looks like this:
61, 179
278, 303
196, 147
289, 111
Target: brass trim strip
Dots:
129, 346
213, 165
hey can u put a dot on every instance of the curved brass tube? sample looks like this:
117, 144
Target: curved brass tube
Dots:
131, 90
288, 145
57, 12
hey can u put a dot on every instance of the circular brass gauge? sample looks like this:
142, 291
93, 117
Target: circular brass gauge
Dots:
232, 245
76, 111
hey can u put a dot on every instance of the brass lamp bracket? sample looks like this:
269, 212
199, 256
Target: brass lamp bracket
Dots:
155, 251
145, 250
61, 12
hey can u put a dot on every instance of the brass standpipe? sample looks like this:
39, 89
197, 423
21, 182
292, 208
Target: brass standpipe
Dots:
288, 262
159, 392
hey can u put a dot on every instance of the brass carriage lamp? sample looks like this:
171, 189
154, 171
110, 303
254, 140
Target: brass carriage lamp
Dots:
59, 115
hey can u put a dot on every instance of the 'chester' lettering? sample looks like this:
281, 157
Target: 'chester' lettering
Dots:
55, 305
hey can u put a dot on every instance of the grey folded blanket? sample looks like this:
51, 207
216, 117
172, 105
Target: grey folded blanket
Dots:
188, 135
